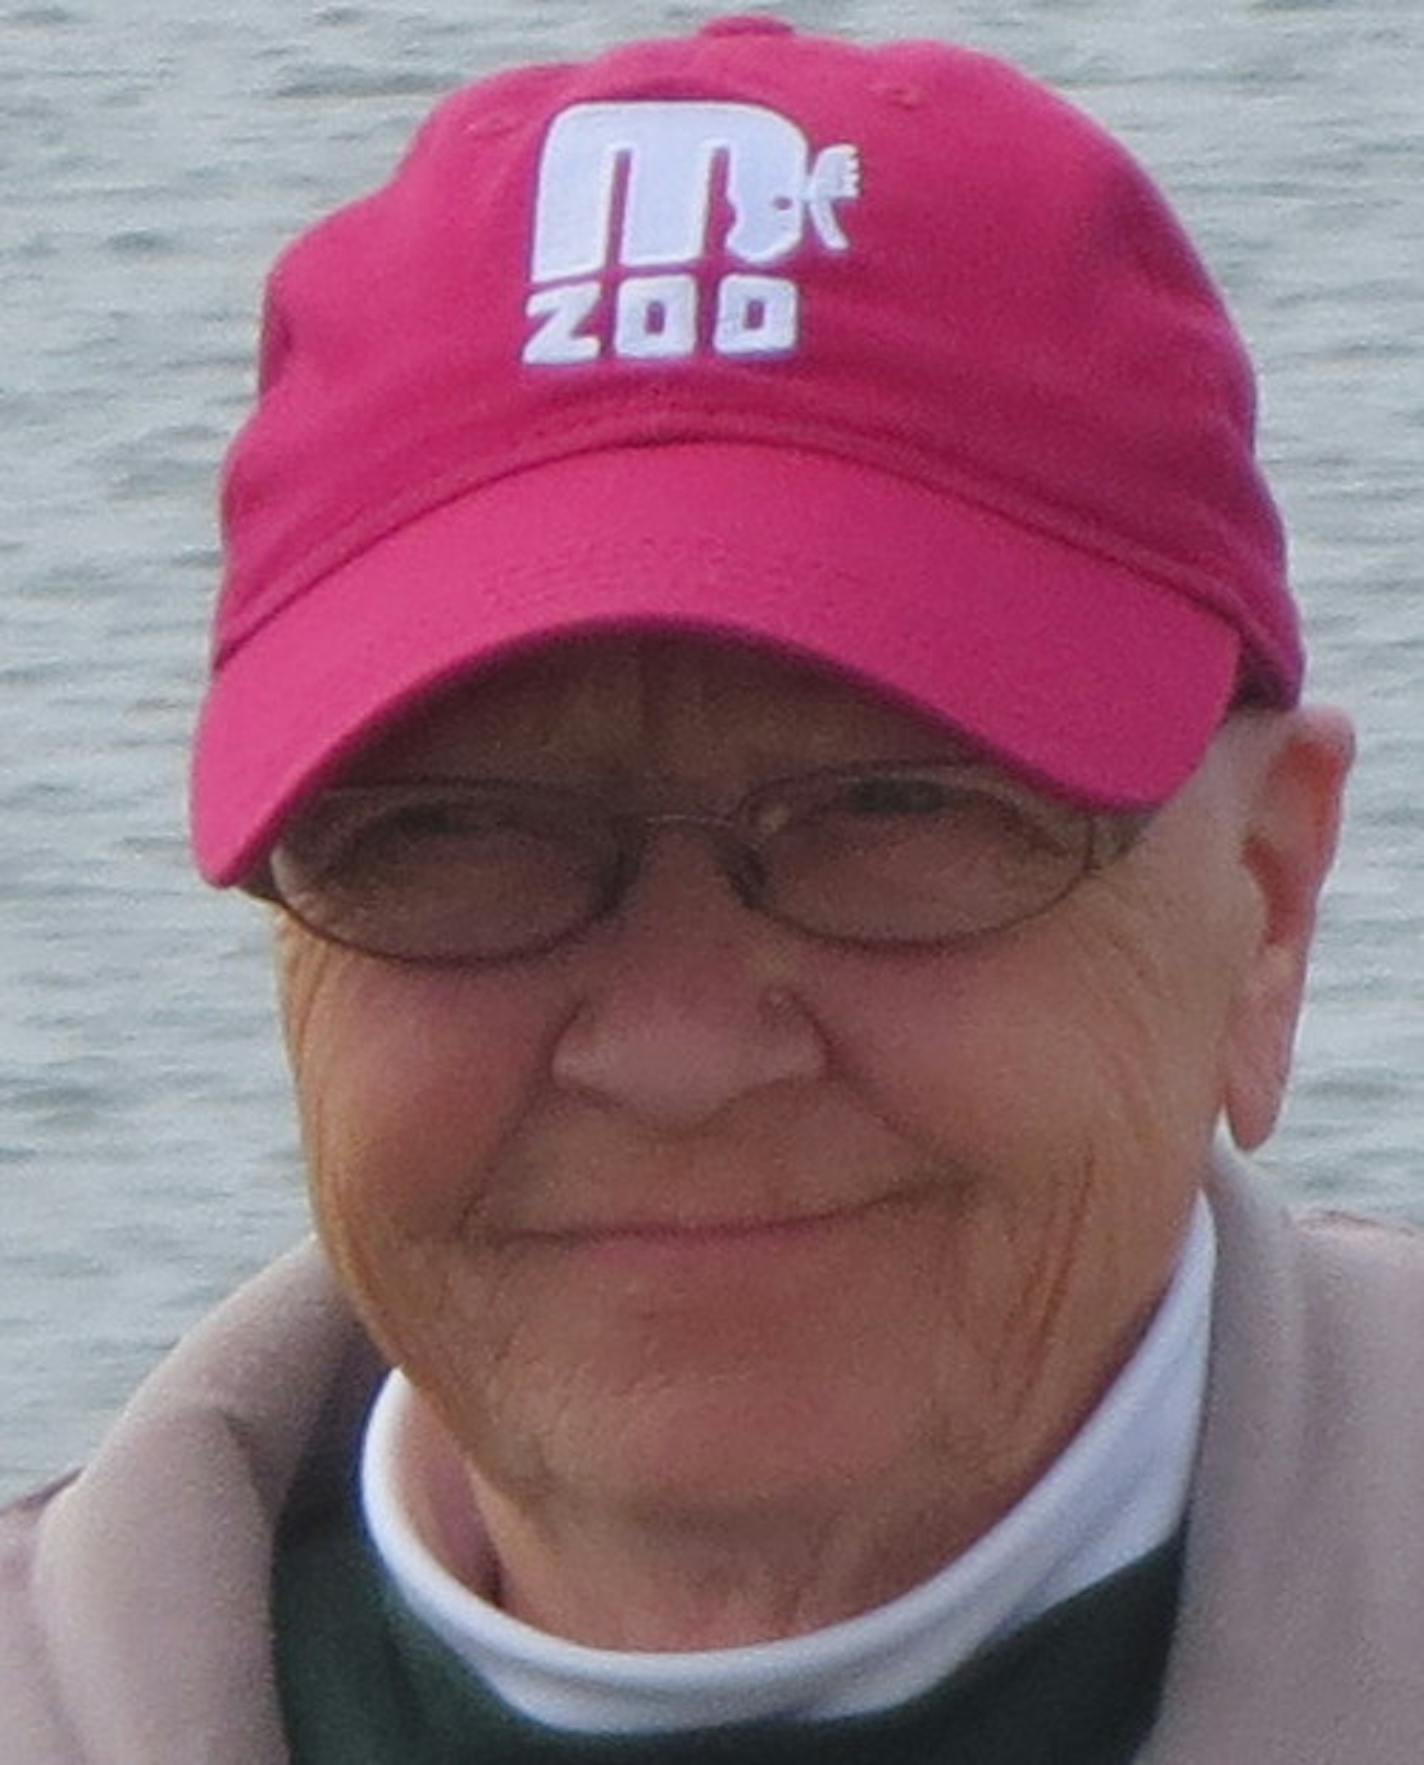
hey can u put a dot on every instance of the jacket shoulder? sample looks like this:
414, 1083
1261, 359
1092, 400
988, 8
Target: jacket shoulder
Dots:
35, 1727
1367, 1262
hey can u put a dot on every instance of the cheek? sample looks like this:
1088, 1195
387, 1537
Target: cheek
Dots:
409, 1082
1037, 1059
950, 1042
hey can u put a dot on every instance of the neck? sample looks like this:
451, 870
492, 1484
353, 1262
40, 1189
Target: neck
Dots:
722, 1578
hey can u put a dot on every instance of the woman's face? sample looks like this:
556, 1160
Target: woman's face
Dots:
698, 1215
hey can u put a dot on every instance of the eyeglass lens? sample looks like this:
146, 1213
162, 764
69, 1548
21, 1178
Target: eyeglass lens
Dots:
449, 870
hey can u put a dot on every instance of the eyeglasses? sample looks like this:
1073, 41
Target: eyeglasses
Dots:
486, 870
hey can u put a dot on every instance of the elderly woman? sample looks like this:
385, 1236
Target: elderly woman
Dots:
757, 676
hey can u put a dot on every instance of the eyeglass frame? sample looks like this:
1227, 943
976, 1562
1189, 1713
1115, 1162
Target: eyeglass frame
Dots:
1109, 835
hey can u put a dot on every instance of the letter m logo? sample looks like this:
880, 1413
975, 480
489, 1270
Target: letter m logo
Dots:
669, 150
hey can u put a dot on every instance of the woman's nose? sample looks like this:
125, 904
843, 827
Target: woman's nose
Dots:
689, 1001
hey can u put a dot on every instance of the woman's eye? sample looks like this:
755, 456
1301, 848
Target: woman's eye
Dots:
399, 833
424, 821
392, 831
893, 796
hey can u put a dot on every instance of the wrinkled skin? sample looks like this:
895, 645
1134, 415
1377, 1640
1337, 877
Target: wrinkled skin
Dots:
756, 1277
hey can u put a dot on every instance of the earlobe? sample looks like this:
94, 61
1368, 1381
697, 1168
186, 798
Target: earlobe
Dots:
1296, 789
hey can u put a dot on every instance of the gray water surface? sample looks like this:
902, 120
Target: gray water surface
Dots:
153, 156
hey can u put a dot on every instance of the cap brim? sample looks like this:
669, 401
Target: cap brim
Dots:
1074, 670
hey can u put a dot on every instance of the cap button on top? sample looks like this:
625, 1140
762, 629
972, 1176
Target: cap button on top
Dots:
747, 24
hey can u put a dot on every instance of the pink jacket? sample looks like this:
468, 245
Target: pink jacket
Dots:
134, 1623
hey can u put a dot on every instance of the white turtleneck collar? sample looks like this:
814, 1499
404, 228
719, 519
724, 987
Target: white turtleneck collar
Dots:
1117, 1490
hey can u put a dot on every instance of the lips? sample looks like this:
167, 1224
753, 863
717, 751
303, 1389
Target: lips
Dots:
730, 1230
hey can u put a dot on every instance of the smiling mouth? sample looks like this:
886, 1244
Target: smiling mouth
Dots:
694, 1234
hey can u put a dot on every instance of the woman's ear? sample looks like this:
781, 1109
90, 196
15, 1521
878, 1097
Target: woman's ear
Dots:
1292, 821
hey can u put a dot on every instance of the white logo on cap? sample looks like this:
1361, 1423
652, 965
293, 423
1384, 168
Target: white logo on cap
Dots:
670, 151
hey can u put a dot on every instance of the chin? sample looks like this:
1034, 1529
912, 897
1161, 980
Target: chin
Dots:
732, 1451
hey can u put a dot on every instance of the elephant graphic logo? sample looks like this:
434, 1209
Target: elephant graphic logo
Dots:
668, 154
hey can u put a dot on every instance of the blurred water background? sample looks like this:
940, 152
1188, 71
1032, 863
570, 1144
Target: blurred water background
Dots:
153, 156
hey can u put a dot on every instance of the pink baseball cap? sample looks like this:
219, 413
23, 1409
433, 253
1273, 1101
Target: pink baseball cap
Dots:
886, 358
